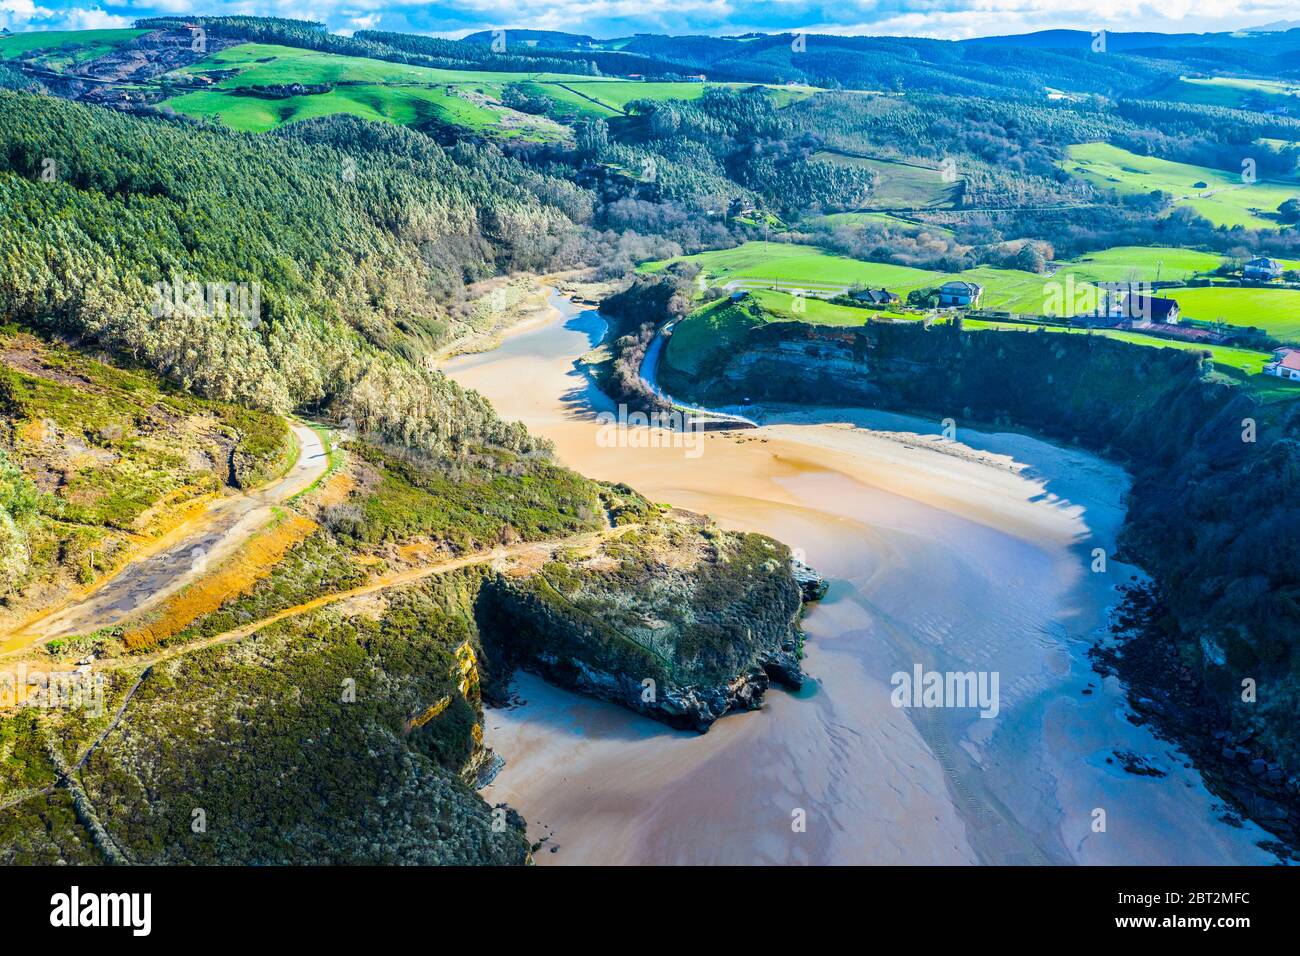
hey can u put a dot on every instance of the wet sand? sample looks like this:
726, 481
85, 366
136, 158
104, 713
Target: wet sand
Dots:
973, 555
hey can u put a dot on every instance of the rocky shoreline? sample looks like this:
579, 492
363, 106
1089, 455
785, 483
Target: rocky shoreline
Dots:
1171, 698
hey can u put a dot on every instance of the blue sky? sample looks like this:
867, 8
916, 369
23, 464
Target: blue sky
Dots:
951, 19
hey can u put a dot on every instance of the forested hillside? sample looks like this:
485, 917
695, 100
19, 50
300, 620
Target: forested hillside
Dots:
359, 237
318, 267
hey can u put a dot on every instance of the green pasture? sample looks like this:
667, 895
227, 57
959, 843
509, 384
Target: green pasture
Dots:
898, 184
1277, 311
59, 49
1224, 199
1231, 91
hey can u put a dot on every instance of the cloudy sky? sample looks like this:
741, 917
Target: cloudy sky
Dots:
952, 19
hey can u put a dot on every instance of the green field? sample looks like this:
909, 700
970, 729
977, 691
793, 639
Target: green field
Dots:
396, 93
783, 305
1224, 199
370, 89
787, 262
265, 63
1247, 360
721, 326
392, 104
1140, 264
610, 96
1234, 92
898, 185
1007, 290
64, 48
1277, 311
837, 220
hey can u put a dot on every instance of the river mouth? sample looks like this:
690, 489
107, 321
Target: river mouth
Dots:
966, 556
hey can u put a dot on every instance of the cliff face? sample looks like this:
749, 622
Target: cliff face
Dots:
679, 621
784, 362
1216, 466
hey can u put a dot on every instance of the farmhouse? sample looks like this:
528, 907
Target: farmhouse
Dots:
1151, 308
1285, 364
1262, 269
874, 296
960, 293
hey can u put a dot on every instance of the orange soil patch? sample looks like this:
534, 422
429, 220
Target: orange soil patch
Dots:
336, 490
32, 431
254, 561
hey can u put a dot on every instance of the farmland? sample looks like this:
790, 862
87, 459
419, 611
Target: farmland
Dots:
787, 262
719, 327
1233, 92
1219, 195
60, 49
754, 264
396, 93
370, 89
1277, 311
404, 106
757, 266
1140, 264
899, 185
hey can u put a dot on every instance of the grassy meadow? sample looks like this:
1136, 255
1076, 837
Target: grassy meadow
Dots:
899, 184
1277, 311
61, 49
1232, 91
754, 264
797, 266
397, 93
1223, 199
1006, 290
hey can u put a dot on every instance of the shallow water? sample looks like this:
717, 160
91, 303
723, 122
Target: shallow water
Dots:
965, 556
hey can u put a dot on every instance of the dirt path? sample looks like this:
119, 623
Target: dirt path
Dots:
177, 559
535, 549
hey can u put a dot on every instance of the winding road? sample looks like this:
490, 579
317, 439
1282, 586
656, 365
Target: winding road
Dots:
648, 370
178, 558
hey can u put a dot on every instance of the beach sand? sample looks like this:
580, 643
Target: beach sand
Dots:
965, 555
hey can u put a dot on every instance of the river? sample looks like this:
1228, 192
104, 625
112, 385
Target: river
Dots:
966, 555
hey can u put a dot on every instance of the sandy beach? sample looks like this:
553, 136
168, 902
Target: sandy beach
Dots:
965, 555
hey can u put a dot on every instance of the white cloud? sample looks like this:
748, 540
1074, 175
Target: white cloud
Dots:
18, 14
92, 18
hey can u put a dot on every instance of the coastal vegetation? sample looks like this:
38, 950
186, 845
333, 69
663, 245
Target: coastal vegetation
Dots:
318, 698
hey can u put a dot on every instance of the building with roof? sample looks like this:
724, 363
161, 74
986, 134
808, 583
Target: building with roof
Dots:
960, 294
1262, 269
1285, 364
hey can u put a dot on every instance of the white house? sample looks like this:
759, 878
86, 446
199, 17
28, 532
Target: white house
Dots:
1285, 364
960, 293
1262, 269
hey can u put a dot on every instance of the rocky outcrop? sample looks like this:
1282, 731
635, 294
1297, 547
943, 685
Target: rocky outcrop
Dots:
689, 707
812, 584
682, 622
